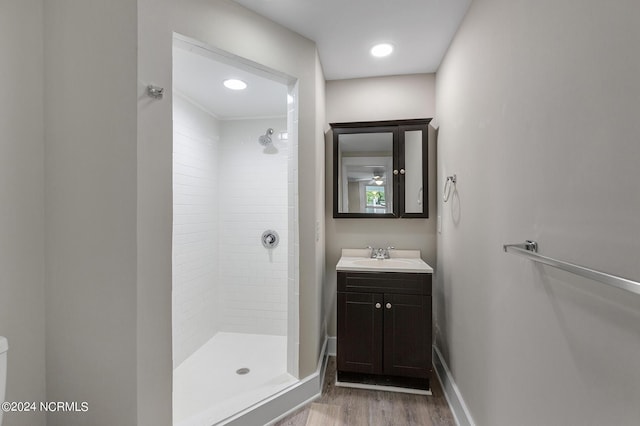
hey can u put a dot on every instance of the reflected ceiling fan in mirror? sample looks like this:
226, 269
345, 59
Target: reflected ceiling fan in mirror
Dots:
377, 178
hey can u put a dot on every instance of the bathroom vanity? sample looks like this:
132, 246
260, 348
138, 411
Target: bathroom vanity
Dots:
384, 320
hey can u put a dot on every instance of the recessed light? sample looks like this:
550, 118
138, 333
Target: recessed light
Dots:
235, 84
381, 50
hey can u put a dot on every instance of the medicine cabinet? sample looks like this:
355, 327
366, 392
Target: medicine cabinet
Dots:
380, 169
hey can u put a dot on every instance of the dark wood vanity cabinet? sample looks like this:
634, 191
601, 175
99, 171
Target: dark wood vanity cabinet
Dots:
384, 328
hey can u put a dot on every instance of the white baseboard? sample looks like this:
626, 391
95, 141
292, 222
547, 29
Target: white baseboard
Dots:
382, 388
286, 401
332, 346
451, 391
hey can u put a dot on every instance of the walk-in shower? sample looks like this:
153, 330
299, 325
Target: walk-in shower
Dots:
234, 253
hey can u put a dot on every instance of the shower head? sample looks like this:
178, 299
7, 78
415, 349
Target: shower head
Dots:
265, 139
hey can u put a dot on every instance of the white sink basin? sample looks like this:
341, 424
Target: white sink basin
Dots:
400, 261
384, 263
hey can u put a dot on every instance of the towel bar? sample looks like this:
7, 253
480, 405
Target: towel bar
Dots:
529, 249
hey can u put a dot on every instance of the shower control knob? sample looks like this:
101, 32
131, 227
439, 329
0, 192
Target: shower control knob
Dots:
378, 306
270, 239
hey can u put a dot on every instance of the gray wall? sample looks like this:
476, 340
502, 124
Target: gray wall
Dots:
538, 109
90, 221
22, 204
370, 99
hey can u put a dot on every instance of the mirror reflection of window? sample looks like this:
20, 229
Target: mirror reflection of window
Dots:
375, 199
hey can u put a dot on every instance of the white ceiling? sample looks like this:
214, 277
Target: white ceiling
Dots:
198, 75
345, 30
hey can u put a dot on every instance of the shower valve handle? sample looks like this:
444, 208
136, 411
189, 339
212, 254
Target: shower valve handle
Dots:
270, 239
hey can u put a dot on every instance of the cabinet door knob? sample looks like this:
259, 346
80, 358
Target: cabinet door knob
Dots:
395, 172
402, 171
378, 306
388, 305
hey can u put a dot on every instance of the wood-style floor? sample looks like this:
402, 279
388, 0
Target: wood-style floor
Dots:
339, 406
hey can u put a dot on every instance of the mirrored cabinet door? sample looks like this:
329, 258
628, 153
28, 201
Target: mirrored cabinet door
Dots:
364, 164
413, 171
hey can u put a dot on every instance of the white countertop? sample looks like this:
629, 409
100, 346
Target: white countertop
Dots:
400, 261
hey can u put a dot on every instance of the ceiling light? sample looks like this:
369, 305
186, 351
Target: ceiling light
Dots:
382, 50
235, 84
379, 182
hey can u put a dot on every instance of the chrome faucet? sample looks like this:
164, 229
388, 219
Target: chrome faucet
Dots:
380, 253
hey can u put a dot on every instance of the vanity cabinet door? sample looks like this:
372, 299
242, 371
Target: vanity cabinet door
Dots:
360, 317
407, 335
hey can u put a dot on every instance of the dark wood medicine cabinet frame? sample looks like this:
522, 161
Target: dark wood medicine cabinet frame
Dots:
398, 129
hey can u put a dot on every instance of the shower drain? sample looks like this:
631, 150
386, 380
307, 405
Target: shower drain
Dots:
242, 371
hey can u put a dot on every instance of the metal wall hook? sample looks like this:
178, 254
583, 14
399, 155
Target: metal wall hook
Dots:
155, 92
451, 180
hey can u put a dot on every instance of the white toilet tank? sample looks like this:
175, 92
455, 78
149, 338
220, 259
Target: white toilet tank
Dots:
4, 346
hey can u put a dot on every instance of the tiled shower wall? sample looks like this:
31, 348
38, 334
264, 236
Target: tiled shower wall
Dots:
228, 189
195, 228
253, 198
